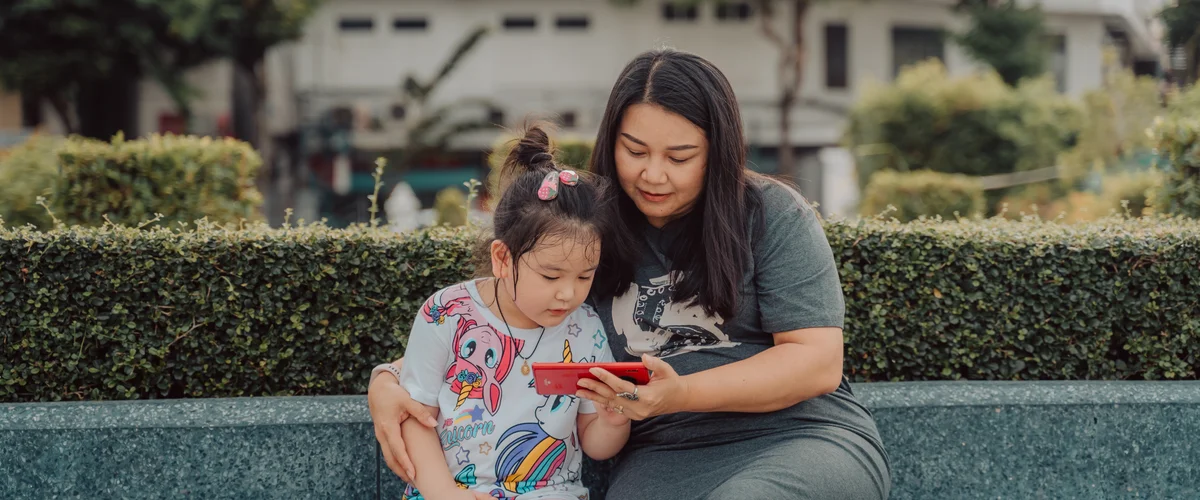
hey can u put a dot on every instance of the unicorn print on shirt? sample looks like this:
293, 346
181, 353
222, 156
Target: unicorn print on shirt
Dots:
483, 357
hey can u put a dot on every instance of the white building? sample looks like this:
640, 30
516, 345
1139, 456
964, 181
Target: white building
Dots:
562, 57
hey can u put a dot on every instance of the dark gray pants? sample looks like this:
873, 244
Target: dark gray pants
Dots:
821, 464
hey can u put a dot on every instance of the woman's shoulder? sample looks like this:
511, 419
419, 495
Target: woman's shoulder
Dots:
775, 195
772, 199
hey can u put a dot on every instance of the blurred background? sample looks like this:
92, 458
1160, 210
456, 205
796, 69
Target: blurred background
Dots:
1032, 103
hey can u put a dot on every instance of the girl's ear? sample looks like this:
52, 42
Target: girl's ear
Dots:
501, 260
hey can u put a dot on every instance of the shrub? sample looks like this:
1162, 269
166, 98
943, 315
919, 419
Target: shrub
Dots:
183, 178
27, 172
119, 313
1177, 142
450, 207
1131, 191
973, 125
923, 194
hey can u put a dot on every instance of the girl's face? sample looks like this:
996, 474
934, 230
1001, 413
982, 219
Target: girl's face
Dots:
552, 280
661, 160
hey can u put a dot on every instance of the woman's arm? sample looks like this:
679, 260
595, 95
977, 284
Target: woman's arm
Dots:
802, 365
391, 406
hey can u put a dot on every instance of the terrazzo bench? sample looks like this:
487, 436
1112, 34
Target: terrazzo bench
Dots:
946, 440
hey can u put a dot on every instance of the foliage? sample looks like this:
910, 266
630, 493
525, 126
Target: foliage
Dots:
1007, 37
974, 124
1177, 141
1115, 118
450, 207
27, 172
1182, 23
120, 313
923, 194
178, 179
1131, 192
1004, 300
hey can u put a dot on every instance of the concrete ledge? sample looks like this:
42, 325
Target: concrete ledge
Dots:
945, 439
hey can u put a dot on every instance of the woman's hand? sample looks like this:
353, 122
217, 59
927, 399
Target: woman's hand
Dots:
390, 405
666, 393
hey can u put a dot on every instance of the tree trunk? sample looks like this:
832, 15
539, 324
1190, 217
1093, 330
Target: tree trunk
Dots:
108, 107
791, 77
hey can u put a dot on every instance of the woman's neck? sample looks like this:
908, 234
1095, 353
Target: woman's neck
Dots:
498, 298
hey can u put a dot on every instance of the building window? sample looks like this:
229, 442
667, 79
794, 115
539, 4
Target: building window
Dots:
410, 24
733, 11
837, 70
1056, 60
496, 116
575, 23
674, 12
569, 119
516, 23
356, 24
913, 45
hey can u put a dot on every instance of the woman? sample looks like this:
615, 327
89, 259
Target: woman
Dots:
735, 304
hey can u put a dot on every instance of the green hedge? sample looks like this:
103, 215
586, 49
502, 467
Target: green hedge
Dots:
923, 193
113, 313
28, 171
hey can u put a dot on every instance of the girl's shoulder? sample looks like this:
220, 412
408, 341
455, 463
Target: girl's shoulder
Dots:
452, 300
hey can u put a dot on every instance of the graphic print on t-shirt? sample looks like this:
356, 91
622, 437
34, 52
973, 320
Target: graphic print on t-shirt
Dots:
531, 453
482, 356
651, 323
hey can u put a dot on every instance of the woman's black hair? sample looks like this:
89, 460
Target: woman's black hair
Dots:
522, 220
712, 250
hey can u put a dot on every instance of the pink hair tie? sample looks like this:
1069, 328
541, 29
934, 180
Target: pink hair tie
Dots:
549, 188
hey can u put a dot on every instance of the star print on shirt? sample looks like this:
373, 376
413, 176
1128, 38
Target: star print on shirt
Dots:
574, 330
599, 338
463, 456
476, 414
485, 448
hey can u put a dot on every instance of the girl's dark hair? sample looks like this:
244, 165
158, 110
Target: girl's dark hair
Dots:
522, 220
712, 250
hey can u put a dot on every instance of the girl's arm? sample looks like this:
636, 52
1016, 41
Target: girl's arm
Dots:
602, 434
432, 477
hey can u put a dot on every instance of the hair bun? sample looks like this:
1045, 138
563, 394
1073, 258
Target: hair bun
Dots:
532, 151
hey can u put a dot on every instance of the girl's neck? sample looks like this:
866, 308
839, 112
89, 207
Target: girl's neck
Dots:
500, 301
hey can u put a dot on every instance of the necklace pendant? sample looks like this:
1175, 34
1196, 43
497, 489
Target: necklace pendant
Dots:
525, 368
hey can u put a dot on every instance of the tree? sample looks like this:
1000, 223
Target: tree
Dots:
59, 51
1182, 22
1005, 36
435, 127
247, 29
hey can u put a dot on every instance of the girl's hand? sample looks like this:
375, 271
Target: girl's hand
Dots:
666, 393
610, 417
390, 405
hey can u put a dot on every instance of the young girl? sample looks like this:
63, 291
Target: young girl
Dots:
471, 346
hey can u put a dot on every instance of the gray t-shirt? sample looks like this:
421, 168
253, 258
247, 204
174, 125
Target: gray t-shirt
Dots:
792, 283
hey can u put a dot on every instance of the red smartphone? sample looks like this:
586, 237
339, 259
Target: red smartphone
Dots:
563, 378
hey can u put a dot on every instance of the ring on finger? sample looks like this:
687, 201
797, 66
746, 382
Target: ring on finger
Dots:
632, 396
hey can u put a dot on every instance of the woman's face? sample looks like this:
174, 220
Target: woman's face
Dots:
661, 160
